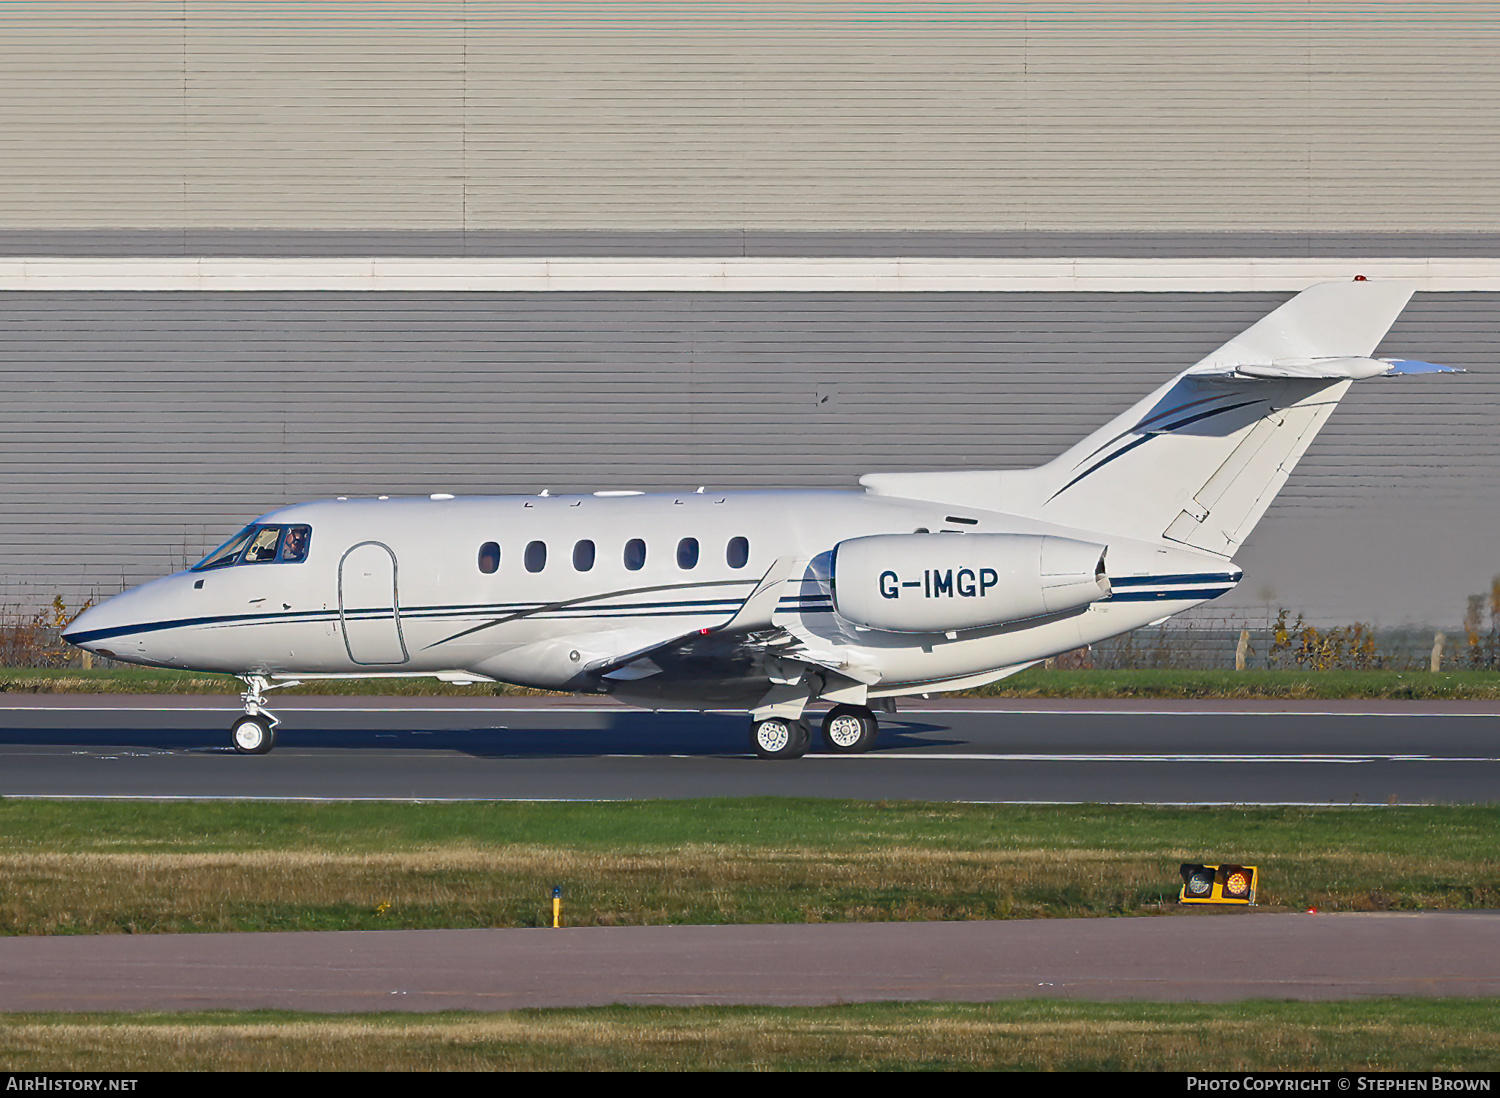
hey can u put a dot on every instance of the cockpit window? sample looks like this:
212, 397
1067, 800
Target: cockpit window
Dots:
294, 545
261, 545
227, 553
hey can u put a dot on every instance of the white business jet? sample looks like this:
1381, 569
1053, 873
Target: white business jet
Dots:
773, 600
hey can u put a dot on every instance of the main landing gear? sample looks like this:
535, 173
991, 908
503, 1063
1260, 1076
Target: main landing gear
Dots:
255, 732
847, 730
779, 738
850, 729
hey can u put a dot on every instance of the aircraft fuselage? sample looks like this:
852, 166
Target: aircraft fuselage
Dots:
553, 591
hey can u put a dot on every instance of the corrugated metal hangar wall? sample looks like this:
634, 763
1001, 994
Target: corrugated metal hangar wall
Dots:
141, 426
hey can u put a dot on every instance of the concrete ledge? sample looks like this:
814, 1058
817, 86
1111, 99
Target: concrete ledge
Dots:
655, 274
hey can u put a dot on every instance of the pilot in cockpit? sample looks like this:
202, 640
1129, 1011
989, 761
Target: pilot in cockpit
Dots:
295, 548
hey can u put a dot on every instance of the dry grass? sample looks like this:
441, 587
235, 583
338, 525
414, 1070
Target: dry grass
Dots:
1036, 1035
509, 885
92, 867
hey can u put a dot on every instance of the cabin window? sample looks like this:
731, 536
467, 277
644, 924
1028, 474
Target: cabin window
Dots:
737, 555
583, 555
635, 554
489, 557
536, 556
687, 553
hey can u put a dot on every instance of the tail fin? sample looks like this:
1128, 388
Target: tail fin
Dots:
1198, 461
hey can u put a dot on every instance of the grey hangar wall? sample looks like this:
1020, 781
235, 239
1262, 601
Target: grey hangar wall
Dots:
143, 428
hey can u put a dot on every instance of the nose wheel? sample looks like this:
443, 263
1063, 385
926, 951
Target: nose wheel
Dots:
253, 735
255, 732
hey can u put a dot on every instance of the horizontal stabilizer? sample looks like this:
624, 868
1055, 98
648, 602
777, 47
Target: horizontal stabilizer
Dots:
1401, 366
1308, 369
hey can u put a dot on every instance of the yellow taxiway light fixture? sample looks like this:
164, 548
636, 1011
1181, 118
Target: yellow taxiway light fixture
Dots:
1217, 884
556, 906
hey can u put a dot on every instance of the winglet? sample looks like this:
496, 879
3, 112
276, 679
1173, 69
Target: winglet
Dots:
755, 613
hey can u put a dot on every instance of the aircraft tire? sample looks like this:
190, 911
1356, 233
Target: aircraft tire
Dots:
779, 738
253, 735
850, 729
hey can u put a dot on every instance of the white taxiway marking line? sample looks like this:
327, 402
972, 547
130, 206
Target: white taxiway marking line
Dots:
902, 717
1342, 759
604, 800
890, 755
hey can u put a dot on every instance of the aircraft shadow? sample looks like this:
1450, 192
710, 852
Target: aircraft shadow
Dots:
625, 733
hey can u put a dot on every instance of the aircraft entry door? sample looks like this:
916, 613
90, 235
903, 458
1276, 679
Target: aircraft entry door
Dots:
369, 609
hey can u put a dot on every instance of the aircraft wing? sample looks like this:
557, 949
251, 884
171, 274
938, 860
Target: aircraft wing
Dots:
749, 637
756, 611
754, 615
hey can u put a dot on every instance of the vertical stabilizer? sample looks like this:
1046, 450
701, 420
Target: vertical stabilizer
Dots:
1198, 461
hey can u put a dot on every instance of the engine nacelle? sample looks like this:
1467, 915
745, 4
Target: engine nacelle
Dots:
940, 583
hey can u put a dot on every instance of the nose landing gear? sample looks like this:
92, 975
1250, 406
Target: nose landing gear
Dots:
255, 732
253, 735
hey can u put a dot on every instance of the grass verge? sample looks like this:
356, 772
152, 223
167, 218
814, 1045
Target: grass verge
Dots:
144, 680
132, 867
1385, 1035
1263, 684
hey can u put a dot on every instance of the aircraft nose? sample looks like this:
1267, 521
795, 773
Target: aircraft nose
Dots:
86, 630
136, 626
127, 620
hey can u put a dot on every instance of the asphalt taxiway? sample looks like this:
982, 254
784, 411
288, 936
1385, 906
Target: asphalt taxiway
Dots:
1210, 958
561, 749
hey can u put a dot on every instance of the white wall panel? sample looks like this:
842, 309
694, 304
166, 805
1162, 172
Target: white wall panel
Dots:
474, 115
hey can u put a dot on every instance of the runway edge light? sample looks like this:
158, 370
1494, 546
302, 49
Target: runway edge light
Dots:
1217, 884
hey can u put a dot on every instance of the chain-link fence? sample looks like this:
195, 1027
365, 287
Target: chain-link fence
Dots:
33, 639
1204, 641
1198, 640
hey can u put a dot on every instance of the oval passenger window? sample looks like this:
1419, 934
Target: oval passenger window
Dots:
687, 553
635, 554
489, 557
583, 555
536, 556
738, 553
